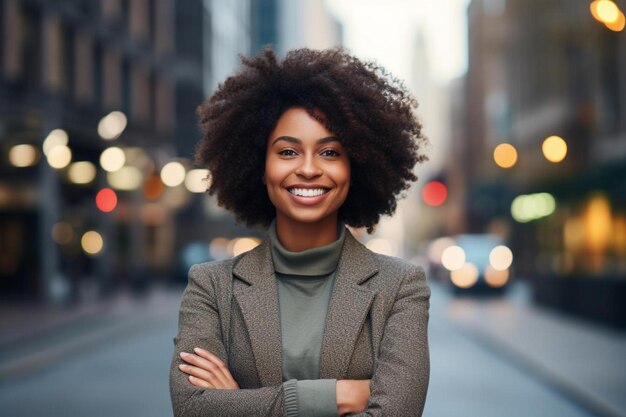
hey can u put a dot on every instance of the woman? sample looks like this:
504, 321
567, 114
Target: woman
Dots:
310, 322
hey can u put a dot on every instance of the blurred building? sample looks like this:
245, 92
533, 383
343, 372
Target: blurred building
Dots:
263, 24
539, 69
307, 23
76, 79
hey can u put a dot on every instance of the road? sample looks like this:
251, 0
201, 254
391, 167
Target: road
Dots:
124, 373
471, 378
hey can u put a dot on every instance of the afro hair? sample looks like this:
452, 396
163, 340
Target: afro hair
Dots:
370, 111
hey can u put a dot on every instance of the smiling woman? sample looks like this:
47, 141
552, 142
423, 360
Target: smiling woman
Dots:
310, 322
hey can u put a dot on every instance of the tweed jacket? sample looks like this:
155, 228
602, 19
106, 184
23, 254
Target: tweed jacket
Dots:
376, 328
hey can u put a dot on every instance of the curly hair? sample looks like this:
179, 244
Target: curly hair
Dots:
370, 111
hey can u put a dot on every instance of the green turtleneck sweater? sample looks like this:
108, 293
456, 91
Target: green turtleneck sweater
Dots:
305, 280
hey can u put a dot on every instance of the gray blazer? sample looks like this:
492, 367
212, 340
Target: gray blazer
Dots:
376, 327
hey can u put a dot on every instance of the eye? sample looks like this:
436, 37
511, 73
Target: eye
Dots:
330, 152
287, 152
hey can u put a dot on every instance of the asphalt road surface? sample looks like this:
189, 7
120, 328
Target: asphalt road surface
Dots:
124, 373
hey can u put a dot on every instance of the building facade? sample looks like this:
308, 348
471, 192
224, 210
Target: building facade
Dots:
65, 66
539, 69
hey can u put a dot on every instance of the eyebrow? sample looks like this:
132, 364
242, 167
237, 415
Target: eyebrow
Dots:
297, 141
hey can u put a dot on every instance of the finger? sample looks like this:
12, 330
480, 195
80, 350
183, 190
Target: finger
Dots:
198, 361
201, 383
208, 355
200, 373
208, 371
222, 370
218, 375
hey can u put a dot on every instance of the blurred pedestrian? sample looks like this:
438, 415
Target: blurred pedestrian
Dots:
310, 322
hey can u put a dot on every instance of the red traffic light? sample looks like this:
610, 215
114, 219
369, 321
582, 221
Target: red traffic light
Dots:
106, 200
435, 193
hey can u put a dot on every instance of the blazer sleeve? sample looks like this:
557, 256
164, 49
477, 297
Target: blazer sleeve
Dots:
199, 326
400, 380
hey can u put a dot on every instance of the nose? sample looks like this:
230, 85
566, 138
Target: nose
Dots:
308, 168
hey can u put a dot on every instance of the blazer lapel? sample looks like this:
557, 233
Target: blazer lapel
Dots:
348, 308
260, 310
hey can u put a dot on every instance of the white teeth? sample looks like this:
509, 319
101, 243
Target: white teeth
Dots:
307, 192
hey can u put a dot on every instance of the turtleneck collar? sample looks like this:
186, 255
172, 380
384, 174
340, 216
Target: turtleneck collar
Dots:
310, 262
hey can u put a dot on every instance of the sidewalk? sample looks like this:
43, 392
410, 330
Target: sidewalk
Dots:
582, 360
34, 337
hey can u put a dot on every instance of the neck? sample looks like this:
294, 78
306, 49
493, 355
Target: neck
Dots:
297, 236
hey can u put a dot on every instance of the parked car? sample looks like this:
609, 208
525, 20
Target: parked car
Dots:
471, 262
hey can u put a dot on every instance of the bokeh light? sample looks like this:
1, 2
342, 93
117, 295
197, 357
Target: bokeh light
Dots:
112, 125
574, 234
593, 6
383, 246
112, 159
500, 257
434, 193
465, 276
126, 178
605, 10
82, 172
218, 248
554, 148
243, 244
436, 248
92, 242
619, 24
619, 233
152, 187
196, 180
23, 155
173, 174
495, 277
137, 157
59, 157
505, 155
527, 207
597, 223
106, 200
453, 257
57, 137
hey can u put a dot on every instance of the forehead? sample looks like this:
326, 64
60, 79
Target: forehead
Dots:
297, 122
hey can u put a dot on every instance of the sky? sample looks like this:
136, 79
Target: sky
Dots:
386, 31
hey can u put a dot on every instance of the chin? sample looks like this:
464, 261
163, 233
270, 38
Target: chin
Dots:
301, 217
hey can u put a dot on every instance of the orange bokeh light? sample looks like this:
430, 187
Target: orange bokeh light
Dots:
153, 187
617, 25
505, 155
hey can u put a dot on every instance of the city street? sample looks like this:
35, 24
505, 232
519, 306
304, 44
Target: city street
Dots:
122, 370
482, 139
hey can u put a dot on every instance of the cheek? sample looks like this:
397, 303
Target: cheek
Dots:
341, 175
274, 175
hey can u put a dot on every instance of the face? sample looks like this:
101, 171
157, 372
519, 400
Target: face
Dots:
307, 170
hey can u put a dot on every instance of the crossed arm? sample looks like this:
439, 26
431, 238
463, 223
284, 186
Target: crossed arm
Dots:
209, 372
201, 383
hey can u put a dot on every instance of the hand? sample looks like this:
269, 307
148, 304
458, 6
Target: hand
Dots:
352, 395
207, 370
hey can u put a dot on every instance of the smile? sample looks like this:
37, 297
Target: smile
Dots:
307, 192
